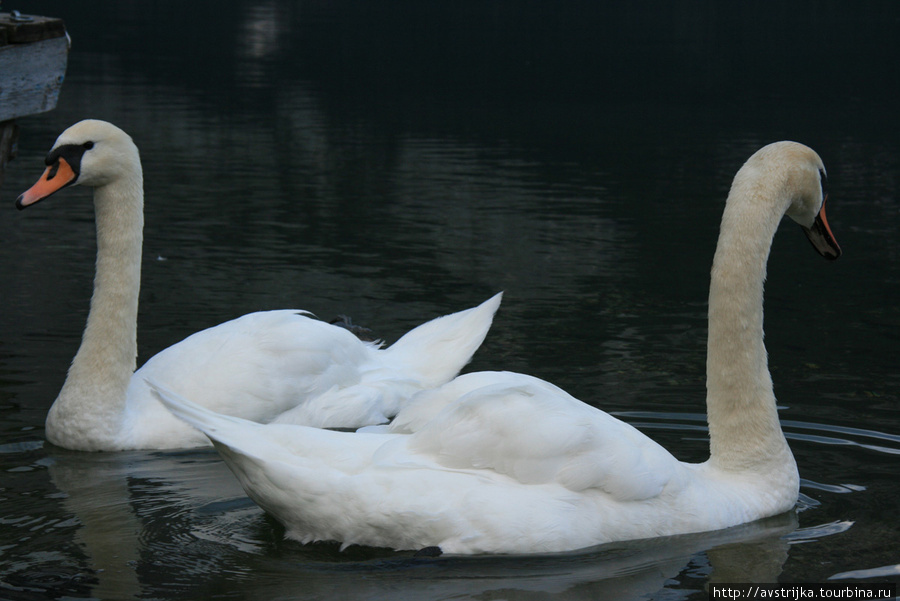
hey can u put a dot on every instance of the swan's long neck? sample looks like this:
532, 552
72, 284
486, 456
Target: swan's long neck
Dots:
88, 411
745, 433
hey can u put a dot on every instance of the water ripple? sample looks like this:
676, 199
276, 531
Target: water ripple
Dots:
25, 446
846, 430
880, 572
814, 533
835, 488
827, 432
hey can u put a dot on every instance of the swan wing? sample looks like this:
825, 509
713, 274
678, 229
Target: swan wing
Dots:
427, 356
287, 367
537, 433
459, 493
437, 350
256, 366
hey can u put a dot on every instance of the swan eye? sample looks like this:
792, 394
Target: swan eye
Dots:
87, 145
823, 179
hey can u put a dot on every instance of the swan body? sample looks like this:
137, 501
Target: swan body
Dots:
283, 366
498, 462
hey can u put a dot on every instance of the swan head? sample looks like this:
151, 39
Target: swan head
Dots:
90, 153
800, 174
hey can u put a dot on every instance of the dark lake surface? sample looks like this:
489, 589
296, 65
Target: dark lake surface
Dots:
401, 160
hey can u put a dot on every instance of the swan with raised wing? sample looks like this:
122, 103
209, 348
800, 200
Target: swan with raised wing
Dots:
267, 366
499, 462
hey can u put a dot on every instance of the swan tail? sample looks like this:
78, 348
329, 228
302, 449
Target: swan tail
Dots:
437, 350
216, 426
248, 450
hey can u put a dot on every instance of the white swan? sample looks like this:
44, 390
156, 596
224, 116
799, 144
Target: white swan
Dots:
497, 462
273, 365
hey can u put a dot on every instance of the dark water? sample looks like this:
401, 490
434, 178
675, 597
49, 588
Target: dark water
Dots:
397, 161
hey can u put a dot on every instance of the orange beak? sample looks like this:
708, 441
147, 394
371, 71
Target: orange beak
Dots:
821, 237
56, 177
